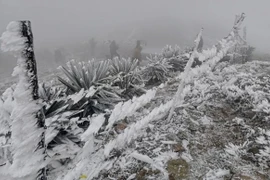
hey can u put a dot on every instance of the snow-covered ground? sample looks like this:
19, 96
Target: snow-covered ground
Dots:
221, 132
208, 122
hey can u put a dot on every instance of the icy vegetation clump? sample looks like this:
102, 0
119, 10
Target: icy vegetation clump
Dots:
169, 52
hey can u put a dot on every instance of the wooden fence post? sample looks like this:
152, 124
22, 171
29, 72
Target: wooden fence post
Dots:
31, 69
28, 121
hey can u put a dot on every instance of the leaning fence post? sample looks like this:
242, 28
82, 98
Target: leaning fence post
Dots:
186, 72
28, 121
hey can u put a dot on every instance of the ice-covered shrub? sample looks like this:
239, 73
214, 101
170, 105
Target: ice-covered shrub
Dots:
175, 57
169, 51
127, 76
157, 70
98, 127
122, 66
48, 93
91, 82
81, 75
62, 138
264, 153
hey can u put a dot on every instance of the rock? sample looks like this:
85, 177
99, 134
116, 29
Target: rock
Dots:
148, 130
120, 127
261, 176
142, 174
178, 169
256, 176
254, 150
178, 148
171, 177
244, 177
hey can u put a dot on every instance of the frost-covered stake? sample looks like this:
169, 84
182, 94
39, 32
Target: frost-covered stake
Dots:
245, 34
186, 72
124, 109
27, 128
212, 56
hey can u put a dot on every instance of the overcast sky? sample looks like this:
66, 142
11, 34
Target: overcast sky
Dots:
56, 21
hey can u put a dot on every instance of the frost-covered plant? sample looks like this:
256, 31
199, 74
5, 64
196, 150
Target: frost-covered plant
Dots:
91, 84
245, 92
122, 66
157, 70
81, 75
264, 154
54, 100
127, 77
169, 51
48, 93
62, 138
175, 57
178, 63
93, 148
96, 100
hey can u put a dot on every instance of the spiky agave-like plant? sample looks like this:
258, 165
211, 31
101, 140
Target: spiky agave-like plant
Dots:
122, 65
169, 51
127, 77
48, 93
83, 76
157, 70
175, 57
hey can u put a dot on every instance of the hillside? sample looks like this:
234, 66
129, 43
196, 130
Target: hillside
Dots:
220, 132
180, 114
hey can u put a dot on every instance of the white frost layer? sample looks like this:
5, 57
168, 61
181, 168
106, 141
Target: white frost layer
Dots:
11, 38
141, 157
134, 130
95, 124
6, 107
25, 133
128, 108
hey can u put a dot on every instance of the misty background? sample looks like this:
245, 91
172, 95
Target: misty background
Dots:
68, 24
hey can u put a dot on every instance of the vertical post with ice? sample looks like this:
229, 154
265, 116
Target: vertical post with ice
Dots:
28, 122
177, 97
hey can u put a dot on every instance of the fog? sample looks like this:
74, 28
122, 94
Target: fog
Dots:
62, 23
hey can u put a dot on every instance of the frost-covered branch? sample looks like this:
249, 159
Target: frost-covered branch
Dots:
186, 72
124, 109
133, 130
